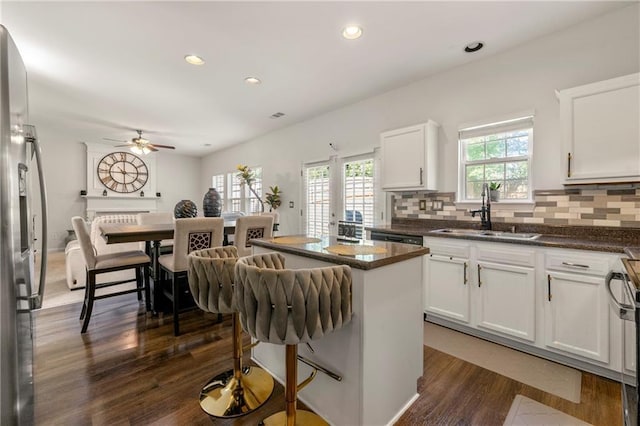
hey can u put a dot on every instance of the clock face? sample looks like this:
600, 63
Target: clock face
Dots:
122, 172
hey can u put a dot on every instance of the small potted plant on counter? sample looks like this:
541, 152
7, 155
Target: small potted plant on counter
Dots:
494, 191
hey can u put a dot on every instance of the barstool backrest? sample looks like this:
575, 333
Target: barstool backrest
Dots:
210, 276
291, 306
248, 227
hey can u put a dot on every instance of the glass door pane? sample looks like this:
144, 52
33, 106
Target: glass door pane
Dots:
318, 199
358, 191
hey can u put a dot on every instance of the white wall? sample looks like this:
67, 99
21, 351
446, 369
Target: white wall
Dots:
64, 164
521, 79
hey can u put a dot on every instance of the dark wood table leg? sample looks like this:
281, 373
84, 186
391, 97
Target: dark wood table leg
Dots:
151, 274
225, 240
157, 289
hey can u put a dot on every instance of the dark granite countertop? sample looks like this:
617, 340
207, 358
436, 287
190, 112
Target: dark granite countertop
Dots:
605, 239
395, 252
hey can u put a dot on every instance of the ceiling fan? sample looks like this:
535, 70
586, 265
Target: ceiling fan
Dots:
140, 145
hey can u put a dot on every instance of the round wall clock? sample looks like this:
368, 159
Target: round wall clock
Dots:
122, 172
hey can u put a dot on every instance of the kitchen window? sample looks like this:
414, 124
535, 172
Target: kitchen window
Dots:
500, 153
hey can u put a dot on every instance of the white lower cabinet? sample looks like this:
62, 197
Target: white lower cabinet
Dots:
549, 299
446, 279
447, 289
577, 315
507, 299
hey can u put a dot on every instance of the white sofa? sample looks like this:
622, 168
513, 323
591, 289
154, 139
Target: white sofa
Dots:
75, 266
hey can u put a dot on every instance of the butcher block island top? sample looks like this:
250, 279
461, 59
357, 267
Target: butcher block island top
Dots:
364, 255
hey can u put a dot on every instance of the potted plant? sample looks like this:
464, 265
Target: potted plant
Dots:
248, 176
494, 191
273, 198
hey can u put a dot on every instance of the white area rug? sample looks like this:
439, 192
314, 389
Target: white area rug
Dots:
539, 373
527, 412
56, 292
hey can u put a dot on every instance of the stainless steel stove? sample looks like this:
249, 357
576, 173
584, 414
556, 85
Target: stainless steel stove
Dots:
627, 307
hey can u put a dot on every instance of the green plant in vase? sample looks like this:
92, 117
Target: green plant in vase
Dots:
248, 176
273, 198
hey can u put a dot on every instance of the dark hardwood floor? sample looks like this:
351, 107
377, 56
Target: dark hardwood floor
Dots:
129, 369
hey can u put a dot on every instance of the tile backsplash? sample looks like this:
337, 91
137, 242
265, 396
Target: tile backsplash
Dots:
573, 206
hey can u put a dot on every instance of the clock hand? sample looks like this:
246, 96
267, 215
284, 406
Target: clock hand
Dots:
124, 172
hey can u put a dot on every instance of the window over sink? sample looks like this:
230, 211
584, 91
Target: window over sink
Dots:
497, 152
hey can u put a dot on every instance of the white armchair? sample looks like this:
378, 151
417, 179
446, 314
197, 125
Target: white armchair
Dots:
75, 266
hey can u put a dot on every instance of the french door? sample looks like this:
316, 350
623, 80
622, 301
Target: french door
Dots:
339, 189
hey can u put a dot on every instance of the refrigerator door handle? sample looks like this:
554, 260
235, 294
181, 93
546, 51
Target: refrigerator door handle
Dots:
30, 136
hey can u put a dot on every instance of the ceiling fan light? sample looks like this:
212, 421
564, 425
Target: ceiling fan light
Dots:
145, 150
136, 150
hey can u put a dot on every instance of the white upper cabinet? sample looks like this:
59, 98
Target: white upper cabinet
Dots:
601, 131
409, 157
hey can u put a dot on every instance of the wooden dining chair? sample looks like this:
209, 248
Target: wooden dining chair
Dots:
250, 227
190, 234
110, 262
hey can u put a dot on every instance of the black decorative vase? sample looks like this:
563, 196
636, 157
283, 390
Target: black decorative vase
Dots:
185, 209
211, 203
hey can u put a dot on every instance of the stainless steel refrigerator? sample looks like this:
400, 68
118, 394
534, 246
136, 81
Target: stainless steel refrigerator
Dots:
21, 182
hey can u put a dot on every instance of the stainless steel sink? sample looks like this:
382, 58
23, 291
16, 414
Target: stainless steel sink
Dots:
488, 234
510, 235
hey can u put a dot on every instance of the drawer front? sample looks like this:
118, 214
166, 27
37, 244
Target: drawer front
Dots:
442, 247
521, 257
578, 263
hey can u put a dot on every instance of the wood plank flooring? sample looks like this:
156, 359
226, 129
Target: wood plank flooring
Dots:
129, 369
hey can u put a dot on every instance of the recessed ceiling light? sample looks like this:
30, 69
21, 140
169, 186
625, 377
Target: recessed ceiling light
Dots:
252, 80
194, 60
473, 47
352, 32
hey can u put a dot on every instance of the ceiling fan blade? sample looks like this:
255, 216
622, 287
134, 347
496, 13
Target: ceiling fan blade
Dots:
114, 140
118, 146
162, 146
152, 148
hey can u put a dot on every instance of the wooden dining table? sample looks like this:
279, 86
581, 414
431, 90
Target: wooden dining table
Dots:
151, 235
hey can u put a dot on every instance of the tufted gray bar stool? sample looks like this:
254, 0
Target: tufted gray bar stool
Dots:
243, 389
288, 307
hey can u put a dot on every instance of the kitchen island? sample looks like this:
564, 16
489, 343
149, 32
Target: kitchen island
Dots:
379, 353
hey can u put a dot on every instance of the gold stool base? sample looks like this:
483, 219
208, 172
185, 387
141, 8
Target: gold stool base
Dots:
306, 418
225, 396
